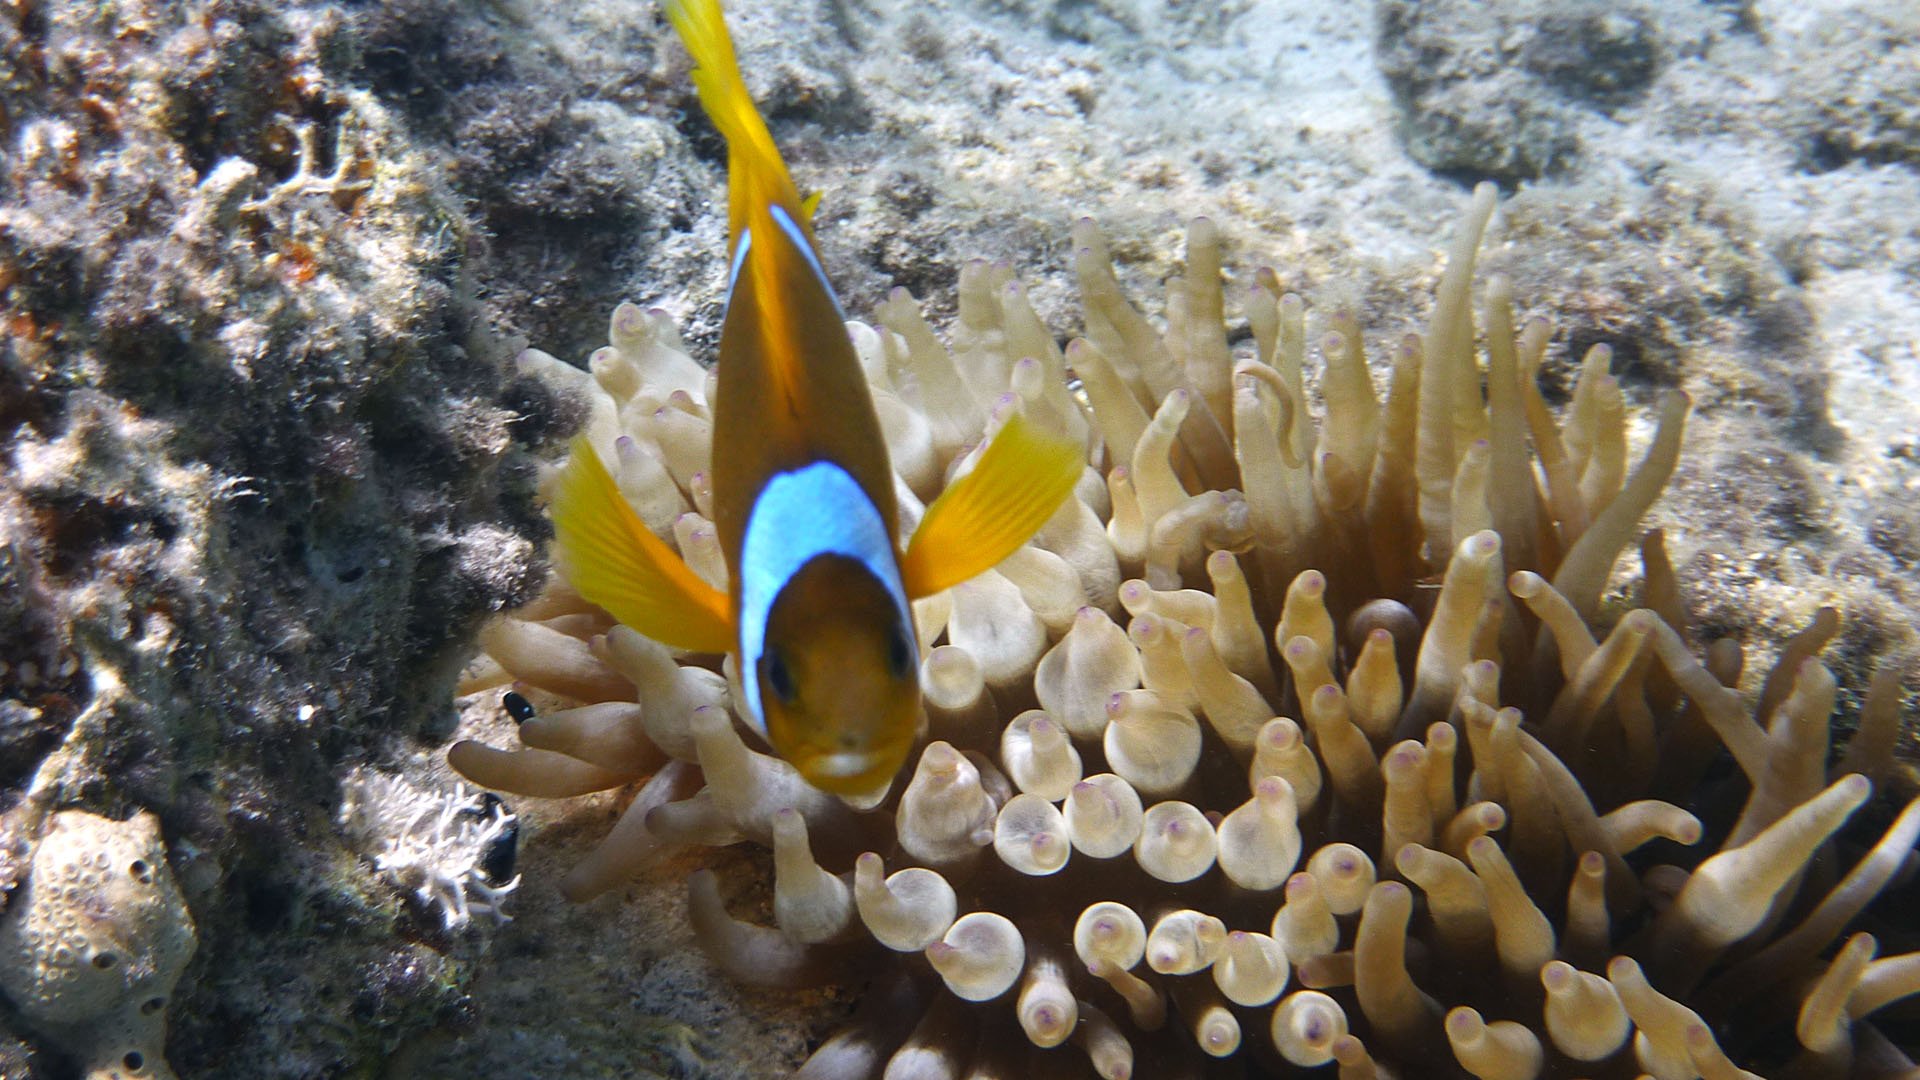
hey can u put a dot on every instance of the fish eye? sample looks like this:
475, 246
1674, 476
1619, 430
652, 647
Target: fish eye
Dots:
899, 653
780, 677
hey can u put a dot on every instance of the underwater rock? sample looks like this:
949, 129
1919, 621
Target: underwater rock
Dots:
255, 485
1865, 108
1470, 99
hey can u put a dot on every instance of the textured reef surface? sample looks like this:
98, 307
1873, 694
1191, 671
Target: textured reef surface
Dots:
271, 462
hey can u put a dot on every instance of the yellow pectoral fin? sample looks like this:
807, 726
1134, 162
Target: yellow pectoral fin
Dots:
610, 557
1018, 483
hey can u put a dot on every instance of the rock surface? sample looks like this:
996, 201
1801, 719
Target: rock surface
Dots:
262, 268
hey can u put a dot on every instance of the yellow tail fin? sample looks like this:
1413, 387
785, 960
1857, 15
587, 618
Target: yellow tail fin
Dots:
1020, 480
755, 169
611, 558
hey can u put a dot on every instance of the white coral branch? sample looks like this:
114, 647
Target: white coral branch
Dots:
430, 842
305, 181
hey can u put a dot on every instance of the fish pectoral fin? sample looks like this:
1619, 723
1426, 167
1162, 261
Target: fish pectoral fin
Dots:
612, 559
808, 205
1020, 480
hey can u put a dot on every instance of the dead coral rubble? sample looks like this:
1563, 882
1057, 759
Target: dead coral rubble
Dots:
1300, 734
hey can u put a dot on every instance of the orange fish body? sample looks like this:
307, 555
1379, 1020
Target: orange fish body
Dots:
818, 606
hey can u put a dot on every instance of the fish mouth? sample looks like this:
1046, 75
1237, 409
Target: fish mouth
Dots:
851, 773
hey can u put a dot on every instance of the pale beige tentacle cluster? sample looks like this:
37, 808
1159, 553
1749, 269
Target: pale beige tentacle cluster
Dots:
1296, 734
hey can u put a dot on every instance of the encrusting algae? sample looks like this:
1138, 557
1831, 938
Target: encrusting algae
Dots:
1294, 738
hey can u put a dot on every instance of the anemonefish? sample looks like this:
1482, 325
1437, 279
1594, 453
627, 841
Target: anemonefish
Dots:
817, 607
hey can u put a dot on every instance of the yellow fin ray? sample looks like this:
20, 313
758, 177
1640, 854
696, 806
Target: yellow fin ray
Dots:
1018, 483
612, 559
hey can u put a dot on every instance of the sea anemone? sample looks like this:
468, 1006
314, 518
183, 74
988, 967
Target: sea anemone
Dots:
1298, 735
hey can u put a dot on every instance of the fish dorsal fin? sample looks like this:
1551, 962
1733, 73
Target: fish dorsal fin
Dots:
1019, 482
759, 185
612, 559
757, 174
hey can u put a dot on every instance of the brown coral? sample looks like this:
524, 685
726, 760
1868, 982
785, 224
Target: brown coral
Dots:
1291, 737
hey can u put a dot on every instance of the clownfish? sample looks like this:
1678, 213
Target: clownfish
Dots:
817, 611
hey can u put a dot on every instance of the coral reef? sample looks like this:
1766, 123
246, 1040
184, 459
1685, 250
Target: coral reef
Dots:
260, 466
94, 941
1308, 687
255, 487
